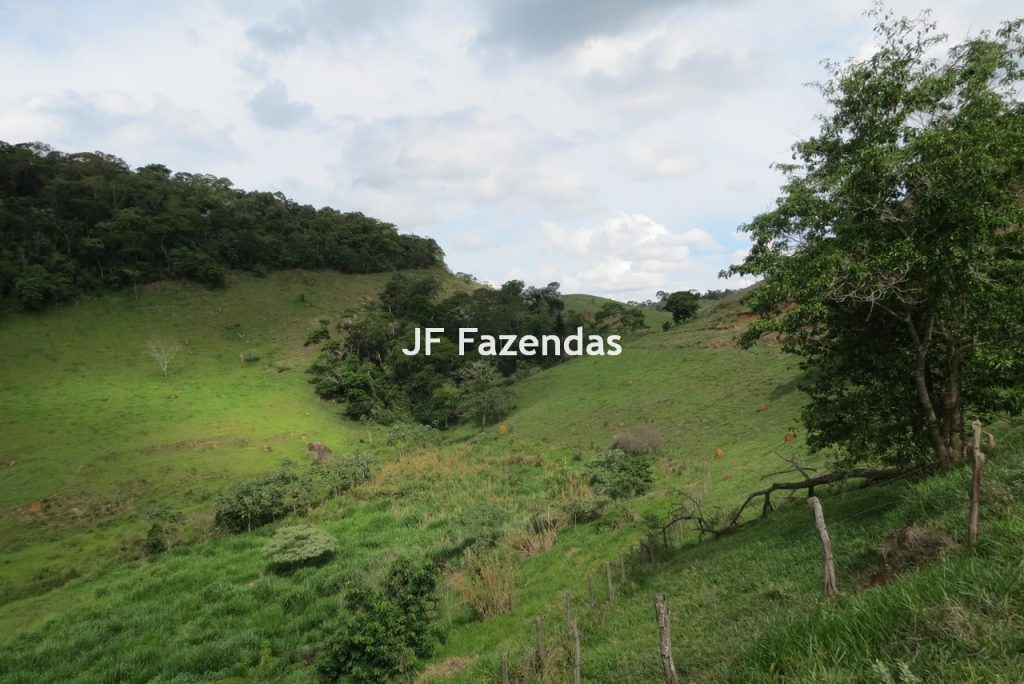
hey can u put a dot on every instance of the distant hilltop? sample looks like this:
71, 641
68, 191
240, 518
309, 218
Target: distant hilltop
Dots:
87, 222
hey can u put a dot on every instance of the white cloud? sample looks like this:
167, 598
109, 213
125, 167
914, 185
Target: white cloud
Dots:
633, 234
272, 107
414, 112
627, 254
158, 130
471, 241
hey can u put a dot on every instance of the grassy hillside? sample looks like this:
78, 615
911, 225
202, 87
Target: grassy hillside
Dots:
95, 434
746, 607
585, 303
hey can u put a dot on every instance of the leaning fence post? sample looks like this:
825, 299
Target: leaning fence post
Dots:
541, 654
568, 609
829, 578
979, 463
665, 631
576, 651
504, 668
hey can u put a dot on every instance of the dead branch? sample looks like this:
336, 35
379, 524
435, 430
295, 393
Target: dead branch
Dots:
869, 475
794, 468
691, 509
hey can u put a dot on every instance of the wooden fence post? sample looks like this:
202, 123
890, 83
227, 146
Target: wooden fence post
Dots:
979, 463
622, 568
504, 668
576, 651
542, 655
568, 609
664, 629
829, 579
608, 576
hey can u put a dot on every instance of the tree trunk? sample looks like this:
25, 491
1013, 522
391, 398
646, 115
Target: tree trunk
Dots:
922, 345
953, 405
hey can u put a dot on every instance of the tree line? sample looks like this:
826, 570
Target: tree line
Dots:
360, 362
87, 222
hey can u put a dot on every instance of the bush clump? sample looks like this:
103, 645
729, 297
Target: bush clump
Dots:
256, 501
251, 503
620, 475
487, 581
298, 545
386, 632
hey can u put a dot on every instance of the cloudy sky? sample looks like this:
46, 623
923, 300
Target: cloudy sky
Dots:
611, 145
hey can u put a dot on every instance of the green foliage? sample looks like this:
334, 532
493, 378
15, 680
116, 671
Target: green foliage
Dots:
166, 520
894, 259
682, 305
404, 436
37, 285
386, 632
155, 542
620, 475
361, 365
257, 501
298, 545
251, 503
340, 475
485, 396
481, 526
619, 318
73, 223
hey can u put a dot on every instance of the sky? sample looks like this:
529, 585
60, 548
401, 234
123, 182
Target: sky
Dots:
613, 146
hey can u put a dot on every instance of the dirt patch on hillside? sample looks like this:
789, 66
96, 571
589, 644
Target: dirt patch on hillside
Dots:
903, 550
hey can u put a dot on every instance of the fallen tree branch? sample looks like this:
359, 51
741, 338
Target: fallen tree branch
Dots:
691, 510
869, 475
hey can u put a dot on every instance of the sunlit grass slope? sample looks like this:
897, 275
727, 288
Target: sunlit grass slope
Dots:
92, 433
585, 303
745, 607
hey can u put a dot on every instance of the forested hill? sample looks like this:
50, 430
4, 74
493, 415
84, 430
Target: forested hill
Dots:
75, 223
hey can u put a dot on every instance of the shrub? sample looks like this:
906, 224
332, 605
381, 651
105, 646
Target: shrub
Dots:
487, 582
540, 533
481, 526
574, 497
250, 503
386, 632
342, 474
641, 440
404, 436
620, 475
299, 545
155, 542
198, 266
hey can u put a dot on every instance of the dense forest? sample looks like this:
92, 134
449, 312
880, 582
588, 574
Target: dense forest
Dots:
85, 222
361, 364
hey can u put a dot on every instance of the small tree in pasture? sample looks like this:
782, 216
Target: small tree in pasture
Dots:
163, 353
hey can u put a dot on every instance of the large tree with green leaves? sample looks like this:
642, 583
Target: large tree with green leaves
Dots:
894, 258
